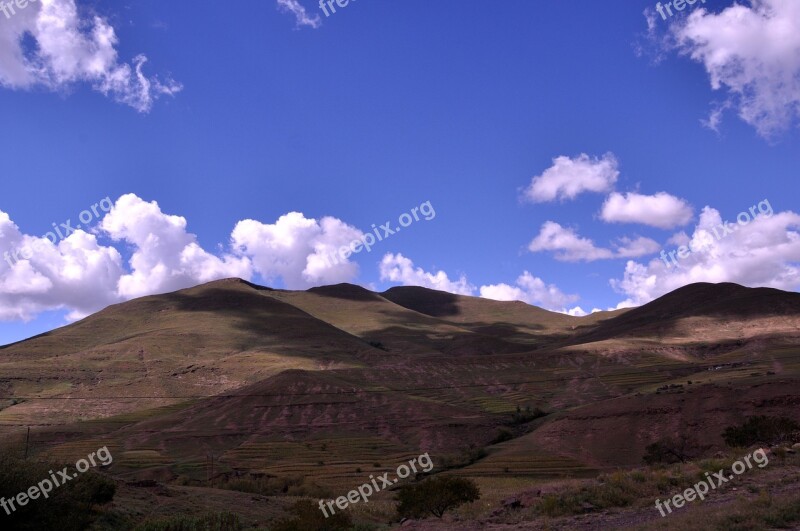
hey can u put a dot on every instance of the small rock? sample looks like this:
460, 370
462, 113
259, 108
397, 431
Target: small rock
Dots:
512, 503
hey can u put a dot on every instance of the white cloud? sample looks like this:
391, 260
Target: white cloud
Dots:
398, 268
528, 288
569, 246
295, 248
165, 257
568, 177
753, 54
577, 311
77, 273
532, 290
661, 210
679, 238
301, 15
82, 276
635, 247
765, 252
69, 50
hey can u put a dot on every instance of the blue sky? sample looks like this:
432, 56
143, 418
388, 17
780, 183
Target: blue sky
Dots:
247, 113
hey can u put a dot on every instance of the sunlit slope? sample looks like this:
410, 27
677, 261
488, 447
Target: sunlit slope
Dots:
198, 341
707, 313
395, 328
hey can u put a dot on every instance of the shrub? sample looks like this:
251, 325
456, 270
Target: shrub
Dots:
465, 457
67, 506
761, 429
667, 451
523, 417
503, 435
436, 496
619, 489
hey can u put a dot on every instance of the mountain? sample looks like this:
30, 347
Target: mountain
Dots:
706, 313
333, 382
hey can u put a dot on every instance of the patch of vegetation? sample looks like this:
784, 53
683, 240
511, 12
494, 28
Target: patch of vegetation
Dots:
527, 415
209, 522
762, 429
67, 507
669, 451
765, 512
275, 486
620, 489
307, 516
466, 457
436, 496
503, 435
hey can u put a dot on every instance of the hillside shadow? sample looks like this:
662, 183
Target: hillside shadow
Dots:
426, 301
348, 292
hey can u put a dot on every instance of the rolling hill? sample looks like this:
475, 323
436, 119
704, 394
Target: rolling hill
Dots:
332, 382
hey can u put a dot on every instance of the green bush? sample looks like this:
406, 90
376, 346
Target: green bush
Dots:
436, 496
761, 429
67, 507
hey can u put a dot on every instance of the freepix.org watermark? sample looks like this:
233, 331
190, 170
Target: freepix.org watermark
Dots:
8, 7
701, 488
56, 235
46, 486
366, 490
324, 5
679, 5
722, 231
368, 240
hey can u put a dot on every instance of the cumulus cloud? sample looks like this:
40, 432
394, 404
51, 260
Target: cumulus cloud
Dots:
763, 252
679, 238
570, 247
398, 268
297, 249
532, 290
577, 311
661, 210
752, 53
69, 49
81, 275
301, 15
528, 288
569, 177
166, 257
77, 273
635, 247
